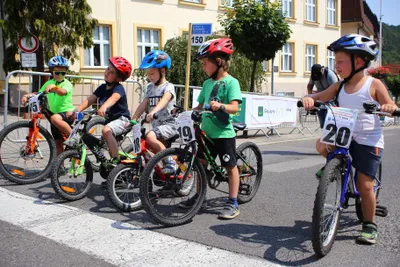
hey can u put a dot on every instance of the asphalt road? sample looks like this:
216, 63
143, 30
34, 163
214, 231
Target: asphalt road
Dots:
275, 225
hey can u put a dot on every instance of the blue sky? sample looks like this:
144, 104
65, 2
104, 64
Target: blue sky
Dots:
389, 10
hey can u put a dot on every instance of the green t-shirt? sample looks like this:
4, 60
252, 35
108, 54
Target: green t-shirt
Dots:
58, 103
228, 90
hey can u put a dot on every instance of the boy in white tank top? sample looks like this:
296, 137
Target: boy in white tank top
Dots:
353, 54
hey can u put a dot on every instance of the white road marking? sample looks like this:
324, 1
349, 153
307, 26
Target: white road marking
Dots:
116, 242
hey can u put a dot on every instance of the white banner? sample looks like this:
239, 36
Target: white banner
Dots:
264, 111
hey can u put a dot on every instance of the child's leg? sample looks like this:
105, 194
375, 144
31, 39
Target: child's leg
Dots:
155, 145
112, 129
365, 185
233, 176
61, 124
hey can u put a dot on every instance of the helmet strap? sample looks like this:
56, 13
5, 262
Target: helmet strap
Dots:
159, 79
354, 71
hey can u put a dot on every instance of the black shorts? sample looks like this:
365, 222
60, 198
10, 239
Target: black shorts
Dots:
224, 147
366, 159
55, 132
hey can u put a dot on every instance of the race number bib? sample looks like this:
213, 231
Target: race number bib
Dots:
339, 126
184, 125
136, 135
34, 104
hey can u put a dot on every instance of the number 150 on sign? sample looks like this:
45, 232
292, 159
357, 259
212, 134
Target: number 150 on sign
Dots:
198, 40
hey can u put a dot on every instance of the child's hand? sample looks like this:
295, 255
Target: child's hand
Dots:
308, 103
149, 117
49, 88
389, 108
102, 111
214, 105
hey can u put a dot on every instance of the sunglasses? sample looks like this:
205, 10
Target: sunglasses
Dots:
60, 73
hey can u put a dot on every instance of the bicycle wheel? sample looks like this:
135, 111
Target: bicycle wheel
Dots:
163, 195
359, 212
326, 212
250, 165
67, 182
123, 187
95, 127
18, 166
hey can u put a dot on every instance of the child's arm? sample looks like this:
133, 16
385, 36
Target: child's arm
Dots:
56, 89
87, 102
140, 109
167, 96
231, 108
383, 98
109, 103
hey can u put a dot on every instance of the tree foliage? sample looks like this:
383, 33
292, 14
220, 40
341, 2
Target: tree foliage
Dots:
240, 67
257, 28
391, 40
61, 26
393, 84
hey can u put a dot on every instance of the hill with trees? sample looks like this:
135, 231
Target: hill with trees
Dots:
391, 40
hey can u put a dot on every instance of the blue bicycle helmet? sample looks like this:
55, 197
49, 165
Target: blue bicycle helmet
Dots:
356, 44
58, 61
156, 59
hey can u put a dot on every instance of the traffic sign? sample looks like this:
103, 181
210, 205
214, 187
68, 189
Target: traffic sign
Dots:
199, 33
28, 45
28, 60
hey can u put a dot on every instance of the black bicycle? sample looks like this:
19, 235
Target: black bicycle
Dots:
161, 194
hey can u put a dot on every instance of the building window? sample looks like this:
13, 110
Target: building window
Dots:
147, 40
193, 1
287, 58
98, 55
311, 14
311, 56
331, 12
287, 8
227, 3
331, 60
266, 67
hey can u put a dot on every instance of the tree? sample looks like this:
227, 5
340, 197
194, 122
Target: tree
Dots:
240, 67
393, 85
61, 26
258, 30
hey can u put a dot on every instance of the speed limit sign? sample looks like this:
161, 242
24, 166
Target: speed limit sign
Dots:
197, 40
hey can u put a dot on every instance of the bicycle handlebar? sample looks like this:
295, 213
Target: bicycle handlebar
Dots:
369, 107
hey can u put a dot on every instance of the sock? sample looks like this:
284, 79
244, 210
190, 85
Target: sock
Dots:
234, 201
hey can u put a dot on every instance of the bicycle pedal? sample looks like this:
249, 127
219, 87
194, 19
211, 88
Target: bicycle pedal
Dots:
244, 189
381, 211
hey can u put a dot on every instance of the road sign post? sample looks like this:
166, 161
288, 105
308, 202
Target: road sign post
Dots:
197, 34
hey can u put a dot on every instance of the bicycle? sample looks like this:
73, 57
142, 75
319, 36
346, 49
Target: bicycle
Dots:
338, 171
189, 181
74, 163
26, 156
124, 179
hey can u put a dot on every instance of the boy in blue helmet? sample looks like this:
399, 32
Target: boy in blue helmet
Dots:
59, 95
160, 98
353, 53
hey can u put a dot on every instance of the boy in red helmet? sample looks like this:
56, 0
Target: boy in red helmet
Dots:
113, 102
222, 93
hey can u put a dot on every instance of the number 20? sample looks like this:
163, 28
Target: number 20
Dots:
342, 135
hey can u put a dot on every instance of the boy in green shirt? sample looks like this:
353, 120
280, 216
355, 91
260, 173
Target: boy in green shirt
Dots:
59, 95
222, 93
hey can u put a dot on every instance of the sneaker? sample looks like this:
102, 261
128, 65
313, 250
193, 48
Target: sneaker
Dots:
170, 167
320, 172
230, 211
368, 234
187, 187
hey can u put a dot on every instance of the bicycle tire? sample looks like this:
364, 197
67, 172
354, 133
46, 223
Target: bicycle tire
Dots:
358, 204
96, 120
244, 198
201, 188
16, 177
58, 188
124, 204
332, 173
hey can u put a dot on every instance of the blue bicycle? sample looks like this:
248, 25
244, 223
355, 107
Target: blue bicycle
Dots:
338, 184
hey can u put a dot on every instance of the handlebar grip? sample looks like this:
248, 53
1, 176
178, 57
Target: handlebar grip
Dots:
396, 113
300, 104
317, 104
155, 116
207, 107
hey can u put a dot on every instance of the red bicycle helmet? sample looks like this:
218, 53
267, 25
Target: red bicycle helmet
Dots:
122, 65
219, 46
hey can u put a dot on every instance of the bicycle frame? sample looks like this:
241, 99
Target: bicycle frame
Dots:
344, 153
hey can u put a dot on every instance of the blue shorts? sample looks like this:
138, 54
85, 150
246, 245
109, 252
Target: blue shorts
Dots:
366, 159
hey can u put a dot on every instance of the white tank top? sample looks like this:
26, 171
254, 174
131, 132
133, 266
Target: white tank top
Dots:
368, 129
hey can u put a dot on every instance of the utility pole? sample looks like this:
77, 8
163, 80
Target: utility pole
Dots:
380, 33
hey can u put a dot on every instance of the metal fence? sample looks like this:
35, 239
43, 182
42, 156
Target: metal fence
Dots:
20, 82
